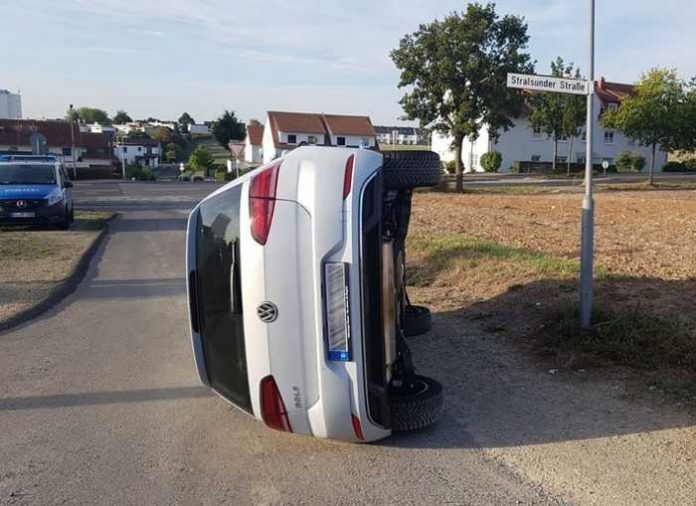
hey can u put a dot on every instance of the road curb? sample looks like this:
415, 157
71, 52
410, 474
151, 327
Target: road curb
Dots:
64, 289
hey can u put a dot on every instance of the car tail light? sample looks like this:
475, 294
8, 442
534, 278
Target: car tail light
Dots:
357, 428
272, 406
262, 192
348, 176
337, 311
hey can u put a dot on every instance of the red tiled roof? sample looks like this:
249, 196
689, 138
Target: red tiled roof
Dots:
613, 92
255, 134
317, 124
349, 125
19, 132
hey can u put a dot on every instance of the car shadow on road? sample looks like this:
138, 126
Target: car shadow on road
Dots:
498, 393
99, 398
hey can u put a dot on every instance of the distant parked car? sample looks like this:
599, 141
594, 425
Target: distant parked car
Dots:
35, 190
297, 297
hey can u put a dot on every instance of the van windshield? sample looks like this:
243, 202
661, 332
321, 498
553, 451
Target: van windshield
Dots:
27, 174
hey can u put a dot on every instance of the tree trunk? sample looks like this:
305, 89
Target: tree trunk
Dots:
570, 152
459, 167
555, 154
651, 172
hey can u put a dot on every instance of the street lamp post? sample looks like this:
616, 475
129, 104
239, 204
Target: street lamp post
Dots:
587, 246
72, 143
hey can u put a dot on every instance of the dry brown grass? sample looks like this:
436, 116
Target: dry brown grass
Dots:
511, 261
34, 262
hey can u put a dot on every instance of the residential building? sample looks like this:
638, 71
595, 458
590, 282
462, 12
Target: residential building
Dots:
402, 135
287, 130
143, 152
55, 137
253, 144
10, 105
98, 128
523, 143
200, 128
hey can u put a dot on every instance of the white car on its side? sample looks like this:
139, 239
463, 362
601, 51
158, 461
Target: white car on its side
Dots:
296, 292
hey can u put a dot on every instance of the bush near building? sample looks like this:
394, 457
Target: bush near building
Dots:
491, 161
630, 162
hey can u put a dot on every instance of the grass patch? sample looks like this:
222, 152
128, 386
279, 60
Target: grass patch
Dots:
443, 252
624, 337
26, 247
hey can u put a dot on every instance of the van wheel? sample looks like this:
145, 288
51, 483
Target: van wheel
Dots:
417, 320
416, 404
404, 170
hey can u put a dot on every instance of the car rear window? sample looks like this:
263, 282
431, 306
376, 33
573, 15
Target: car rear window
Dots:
220, 297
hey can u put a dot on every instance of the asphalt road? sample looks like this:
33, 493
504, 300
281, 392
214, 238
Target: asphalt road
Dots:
100, 404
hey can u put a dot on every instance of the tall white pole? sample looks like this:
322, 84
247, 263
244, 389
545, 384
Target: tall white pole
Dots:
587, 246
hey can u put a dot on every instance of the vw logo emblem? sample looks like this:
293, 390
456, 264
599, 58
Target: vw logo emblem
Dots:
267, 312
21, 203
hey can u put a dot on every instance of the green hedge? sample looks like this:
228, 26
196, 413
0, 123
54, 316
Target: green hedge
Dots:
91, 173
685, 166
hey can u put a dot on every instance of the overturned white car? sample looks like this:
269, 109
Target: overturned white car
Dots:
296, 291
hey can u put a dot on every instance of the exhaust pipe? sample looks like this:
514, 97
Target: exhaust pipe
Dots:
388, 307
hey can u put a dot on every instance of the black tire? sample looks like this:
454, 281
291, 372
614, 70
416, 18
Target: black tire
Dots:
64, 224
416, 405
404, 170
417, 320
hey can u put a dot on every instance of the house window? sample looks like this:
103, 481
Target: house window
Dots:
67, 151
312, 139
562, 138
536, 133
584, 136
608, 137
340, 141
140, 148
365, 141
536, 158
613, 107
292, 139
125, 149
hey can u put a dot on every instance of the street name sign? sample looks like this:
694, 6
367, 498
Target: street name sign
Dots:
546, 83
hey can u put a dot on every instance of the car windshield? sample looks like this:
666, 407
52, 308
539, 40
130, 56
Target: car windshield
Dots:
27, 174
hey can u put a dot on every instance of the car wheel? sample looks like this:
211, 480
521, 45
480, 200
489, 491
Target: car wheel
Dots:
404, 170
417, 320
64, 224
416, 404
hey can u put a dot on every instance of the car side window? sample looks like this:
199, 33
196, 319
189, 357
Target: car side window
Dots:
64, 175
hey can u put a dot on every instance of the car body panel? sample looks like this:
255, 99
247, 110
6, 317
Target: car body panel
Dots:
312, 224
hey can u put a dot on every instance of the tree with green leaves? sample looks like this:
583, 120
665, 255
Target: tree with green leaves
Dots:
172, 152
89, 115
163, 134
559, 115
200, 159
228, 128
122, 118
656, 115
185, 120
456, 74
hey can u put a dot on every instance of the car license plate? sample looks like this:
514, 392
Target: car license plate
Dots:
23, 215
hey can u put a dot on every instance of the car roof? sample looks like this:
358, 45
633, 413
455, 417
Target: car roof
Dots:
29, 158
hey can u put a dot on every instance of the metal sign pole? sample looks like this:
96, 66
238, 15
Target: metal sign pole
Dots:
587, 246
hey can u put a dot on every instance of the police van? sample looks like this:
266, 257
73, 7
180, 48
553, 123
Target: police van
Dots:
35, 190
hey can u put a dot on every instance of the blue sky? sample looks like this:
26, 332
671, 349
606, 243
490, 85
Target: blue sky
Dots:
161, 57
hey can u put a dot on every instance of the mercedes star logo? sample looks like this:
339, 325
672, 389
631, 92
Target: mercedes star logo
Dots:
21, 203
267, 312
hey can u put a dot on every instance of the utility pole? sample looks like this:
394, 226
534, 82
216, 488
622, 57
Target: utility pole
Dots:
72, 140
123, 159
587, 247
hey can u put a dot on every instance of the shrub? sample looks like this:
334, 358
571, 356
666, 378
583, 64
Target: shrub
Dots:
449, 167
673, 167
627, 162
690, 164
491, 161
139, 173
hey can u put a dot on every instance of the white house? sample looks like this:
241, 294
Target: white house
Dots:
199, 128
402, 135
287, 130
143, 152
253, 144
522, 143
10, 105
